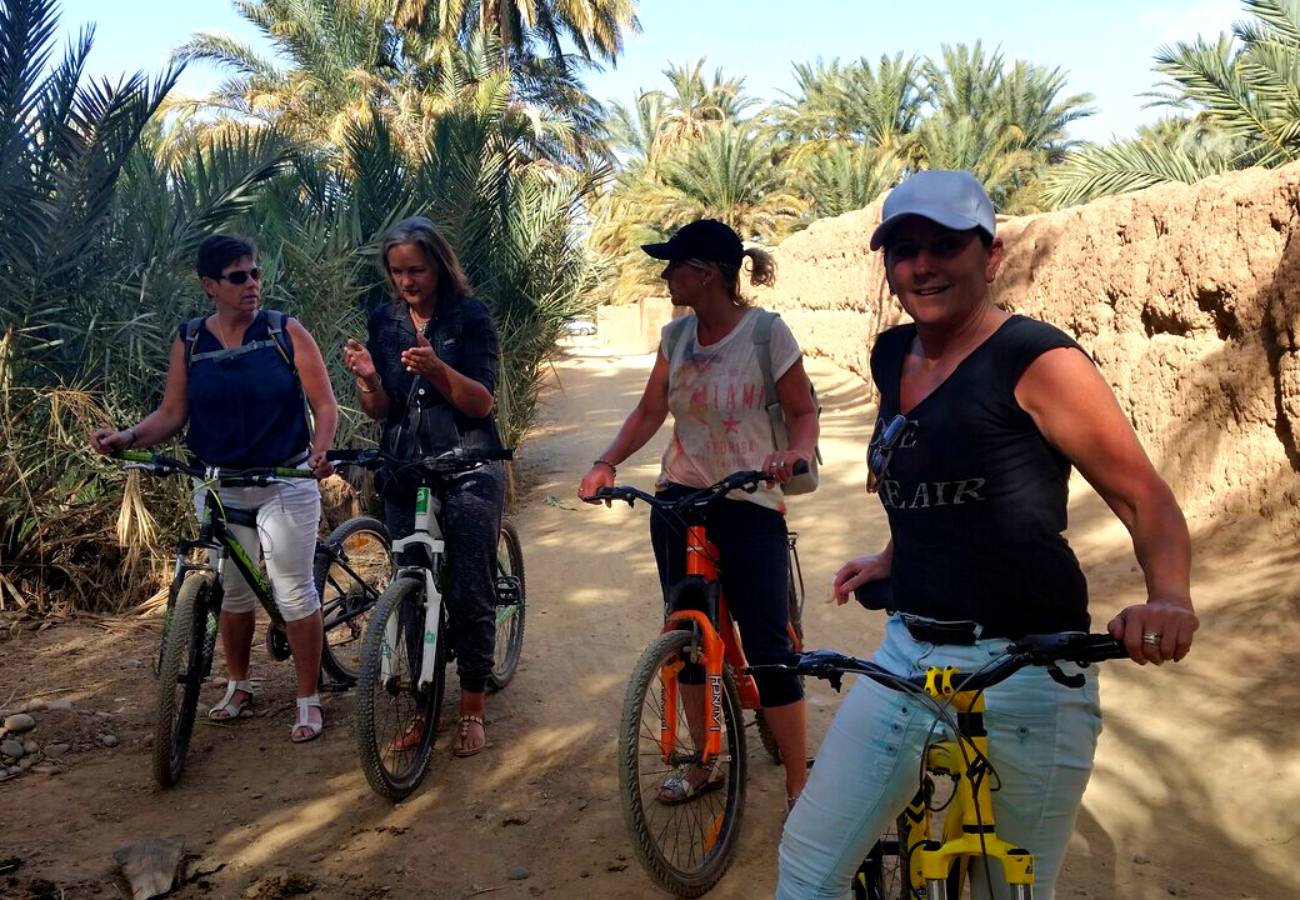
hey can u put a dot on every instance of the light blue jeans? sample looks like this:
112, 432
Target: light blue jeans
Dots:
1042, 738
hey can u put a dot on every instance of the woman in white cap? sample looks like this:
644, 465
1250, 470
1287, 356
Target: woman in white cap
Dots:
982, 414
708, 374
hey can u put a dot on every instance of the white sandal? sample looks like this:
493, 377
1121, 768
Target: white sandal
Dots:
305, 705
228, 709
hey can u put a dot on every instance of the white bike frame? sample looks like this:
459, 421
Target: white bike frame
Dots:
429, 533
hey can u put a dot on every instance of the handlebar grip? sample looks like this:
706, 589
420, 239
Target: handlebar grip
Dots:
139, 456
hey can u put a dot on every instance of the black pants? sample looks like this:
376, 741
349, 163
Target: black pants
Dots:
472, 503
754, 570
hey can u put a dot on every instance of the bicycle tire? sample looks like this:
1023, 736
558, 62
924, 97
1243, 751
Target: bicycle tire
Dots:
375, 746
883, 873
188, 645
714, 819
509, 639
371, 559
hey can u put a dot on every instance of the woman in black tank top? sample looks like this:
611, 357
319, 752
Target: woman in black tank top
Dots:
982, 414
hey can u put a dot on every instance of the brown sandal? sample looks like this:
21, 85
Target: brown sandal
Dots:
459, 749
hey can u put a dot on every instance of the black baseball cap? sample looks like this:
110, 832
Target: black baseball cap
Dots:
707, 240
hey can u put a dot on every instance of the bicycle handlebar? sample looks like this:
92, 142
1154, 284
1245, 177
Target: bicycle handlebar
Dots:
1032, 650
158, 464
458, 459
746, 480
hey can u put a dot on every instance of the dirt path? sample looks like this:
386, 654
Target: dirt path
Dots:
1184, 801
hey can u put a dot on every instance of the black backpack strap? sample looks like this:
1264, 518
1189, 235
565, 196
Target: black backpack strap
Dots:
190, 332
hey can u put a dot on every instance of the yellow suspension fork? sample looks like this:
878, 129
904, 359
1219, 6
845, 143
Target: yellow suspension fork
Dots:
977, 837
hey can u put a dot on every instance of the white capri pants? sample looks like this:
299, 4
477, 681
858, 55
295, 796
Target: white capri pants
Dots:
288, 516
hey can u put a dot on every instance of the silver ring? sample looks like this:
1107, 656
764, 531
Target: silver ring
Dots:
1152, 638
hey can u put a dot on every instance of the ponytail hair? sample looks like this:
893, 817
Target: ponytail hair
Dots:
762, 271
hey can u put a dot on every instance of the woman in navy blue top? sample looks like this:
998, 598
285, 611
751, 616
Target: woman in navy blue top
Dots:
428, 372
244, 379
982, 415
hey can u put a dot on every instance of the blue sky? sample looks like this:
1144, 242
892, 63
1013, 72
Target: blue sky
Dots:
1105, 46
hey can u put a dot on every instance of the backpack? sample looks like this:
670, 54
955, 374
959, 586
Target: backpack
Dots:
799, 484
277, 338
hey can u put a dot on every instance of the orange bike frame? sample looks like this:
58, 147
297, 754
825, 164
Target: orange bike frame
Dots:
720, 645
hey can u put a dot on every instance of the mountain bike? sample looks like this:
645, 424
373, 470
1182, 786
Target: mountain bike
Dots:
352, 568
407, 644
687, 847
925, 859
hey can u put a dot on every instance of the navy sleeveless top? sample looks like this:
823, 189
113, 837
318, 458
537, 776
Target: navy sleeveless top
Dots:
246, 406
975, 495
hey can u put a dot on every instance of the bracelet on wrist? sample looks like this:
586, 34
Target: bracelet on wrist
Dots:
604, 462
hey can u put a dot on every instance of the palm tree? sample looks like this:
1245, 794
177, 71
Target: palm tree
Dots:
843, 178
692, 104
1242, 93
595, 27
728, 175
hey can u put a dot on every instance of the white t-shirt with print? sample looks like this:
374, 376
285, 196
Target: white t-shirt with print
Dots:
716, 396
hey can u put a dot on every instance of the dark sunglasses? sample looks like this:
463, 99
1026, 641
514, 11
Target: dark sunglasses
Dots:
881, 450
947, 245
239, 276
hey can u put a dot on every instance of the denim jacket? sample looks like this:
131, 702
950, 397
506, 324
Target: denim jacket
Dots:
421, 421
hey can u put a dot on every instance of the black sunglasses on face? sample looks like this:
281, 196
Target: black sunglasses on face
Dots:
239, 276
881, 450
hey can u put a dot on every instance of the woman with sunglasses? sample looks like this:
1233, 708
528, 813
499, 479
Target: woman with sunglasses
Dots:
982, 414
708, 375
245, 379
428, 372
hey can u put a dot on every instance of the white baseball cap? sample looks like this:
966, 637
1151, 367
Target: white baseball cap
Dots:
954, 199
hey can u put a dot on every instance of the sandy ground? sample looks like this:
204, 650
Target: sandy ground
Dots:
1193, 794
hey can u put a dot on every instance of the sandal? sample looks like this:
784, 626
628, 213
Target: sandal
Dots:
305, 706
680, 788
460, 748
228, 708
410, 737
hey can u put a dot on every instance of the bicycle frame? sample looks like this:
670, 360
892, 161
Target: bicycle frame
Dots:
969, 827
428, 534
721, 647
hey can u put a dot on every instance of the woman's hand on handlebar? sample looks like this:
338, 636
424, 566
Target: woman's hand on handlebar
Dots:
1156, 631
780, 464
858, 571
599, 476
320, 465
108, 441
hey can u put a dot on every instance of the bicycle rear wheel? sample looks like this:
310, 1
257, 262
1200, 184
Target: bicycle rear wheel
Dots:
685, 847
188, 644
510, 608
396, 719
352, 571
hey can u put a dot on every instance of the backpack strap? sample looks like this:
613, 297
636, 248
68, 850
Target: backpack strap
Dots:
763, 343
275, 325
672, 336
191, 335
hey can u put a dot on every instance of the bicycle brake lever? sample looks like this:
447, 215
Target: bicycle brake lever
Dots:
1070, 681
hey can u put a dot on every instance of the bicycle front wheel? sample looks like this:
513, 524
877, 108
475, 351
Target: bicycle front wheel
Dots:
510, 607
188, 644
883, 874
396, 717
353, 569
687, 846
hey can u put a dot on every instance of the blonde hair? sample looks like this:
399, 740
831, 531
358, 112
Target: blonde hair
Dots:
762, 271
421, 231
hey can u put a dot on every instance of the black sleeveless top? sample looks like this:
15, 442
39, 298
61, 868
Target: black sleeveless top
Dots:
975, 495
246, 406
